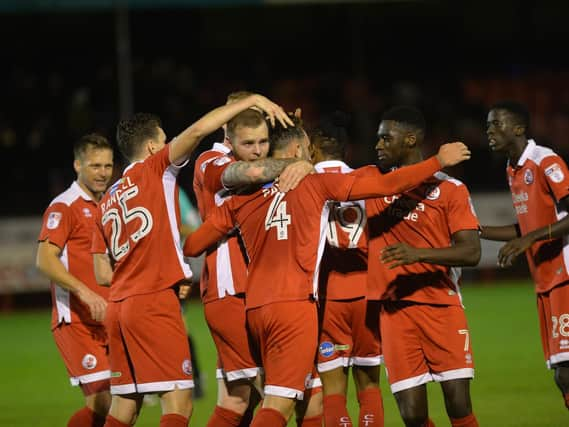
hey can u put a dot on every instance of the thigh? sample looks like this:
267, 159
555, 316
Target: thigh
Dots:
403, 356
84, 349
335, 342
226, 320
365, 333
153, 332
446, 341
286, 333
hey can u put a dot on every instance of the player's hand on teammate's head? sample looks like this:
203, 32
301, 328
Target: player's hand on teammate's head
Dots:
273, 111
453, 153
293, 174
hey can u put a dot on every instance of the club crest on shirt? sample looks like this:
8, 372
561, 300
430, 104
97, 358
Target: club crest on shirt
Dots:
433, 192
89, 361
528, 177
555, 173
326, 349
53, 220
187, 367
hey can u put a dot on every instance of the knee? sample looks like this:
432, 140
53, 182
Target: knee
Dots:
414, 415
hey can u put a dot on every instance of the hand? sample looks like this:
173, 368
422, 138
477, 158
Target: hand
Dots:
452, 154
511, 250
273, 110
399, 254
184, 290
291, 176
298, 113
96, 303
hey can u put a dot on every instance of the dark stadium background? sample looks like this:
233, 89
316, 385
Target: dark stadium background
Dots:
61, 76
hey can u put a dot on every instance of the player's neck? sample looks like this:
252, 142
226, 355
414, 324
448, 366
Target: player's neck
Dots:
516, 149
413, 157
95, 196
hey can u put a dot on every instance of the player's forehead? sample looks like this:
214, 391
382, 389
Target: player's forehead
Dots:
97, 155
499, 115
248, 133
388, 127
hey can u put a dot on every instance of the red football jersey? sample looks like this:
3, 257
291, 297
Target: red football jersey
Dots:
68, 223
224, 271
425, 217
343, 270
138, 221
284, 234
538, 182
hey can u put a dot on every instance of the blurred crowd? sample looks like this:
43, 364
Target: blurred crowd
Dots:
43, 112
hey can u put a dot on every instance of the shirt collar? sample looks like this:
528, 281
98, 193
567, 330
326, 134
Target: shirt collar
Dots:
526, 153
76, 187
218, 146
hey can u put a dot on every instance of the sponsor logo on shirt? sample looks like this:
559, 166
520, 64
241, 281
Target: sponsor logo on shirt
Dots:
519, 200
187, 367
564, 344
326, 349
53, 220
554, 173
89, 361
404, 207
87, 213
528, 177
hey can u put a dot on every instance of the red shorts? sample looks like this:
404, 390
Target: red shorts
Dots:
553, 313
423, 343
349, 334
85, 353
228, 326
285, 335
148, 347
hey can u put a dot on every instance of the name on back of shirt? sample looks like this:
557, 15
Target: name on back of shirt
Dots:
118, 191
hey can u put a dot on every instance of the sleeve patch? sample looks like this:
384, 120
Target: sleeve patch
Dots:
554, 173
221, 161
53, 220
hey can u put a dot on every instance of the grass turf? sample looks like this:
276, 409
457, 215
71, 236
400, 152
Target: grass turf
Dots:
512, 386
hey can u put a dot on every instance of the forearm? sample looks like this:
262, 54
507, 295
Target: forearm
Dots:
242, 174
54, 270
103, 269
204, 237
398, 181
503, 233
183, 145
551, 231
453, 256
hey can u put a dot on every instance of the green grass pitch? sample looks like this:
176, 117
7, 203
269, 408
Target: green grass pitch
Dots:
512, 386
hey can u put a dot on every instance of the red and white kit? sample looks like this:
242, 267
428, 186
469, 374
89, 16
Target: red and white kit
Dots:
424, 332
138, 226
538, 182
68, 223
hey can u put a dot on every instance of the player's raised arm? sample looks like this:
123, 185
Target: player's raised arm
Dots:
408, 177
186, 142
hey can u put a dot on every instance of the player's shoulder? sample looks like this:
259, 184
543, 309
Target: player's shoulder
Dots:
445, 187
446, 180
70, 196
539, 154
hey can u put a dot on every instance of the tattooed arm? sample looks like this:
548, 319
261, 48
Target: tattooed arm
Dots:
240, 175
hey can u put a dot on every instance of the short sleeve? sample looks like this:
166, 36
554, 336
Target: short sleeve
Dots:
57, 225
556, 175
160, 161
98, 242
221, 218
213, 172
461, 214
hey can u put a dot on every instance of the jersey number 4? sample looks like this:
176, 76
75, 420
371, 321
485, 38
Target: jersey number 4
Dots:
278, 217
122, 217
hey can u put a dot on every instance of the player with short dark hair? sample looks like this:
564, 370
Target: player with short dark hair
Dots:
418, 240
78, 303
283, 235
539, 183
349, 330
138, 229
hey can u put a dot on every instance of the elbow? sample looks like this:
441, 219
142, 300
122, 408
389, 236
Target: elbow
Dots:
473, 257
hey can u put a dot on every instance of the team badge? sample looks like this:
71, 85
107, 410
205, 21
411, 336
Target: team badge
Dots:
221, 161
53, 220
187, 367
555, 173
528, 177
326, 349
433, 192
89, 361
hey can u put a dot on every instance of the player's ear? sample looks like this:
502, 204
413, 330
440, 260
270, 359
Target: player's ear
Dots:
519, 130
77, 165
411, 140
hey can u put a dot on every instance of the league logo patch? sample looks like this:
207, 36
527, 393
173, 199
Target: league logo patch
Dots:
53, 220
221, 161
555, 173
187, 367
326, 349
528, 177
433, 192
89, 361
